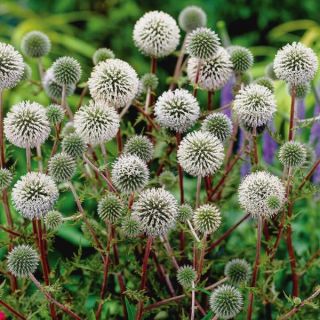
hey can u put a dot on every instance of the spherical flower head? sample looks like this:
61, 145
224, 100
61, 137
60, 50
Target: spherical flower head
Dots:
167, 179
207, 218
149, 81
55, 114
102, 54
27, 124
219, 125
156, 209
292, 154
269, 71
241, 58
186, 275
5, 178
185, 212
255, 191
62, 167
96, 123
73, 145
110, 207
177, 110
11, 66
68, 129
202, 43
140, 146
273, 202
66, 71
113, 81
226, 302
35, 44
191, 18
200, 153
238, 271
22, 260
27, 72
214, 73
53, 220
130, 226
129, 174
300, 90
156, 34
265, 82
254, 105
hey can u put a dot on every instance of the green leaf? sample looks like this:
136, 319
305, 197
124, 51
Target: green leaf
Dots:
208, 316
73, 235
131, 310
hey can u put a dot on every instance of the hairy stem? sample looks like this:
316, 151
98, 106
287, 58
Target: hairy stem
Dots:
12, 310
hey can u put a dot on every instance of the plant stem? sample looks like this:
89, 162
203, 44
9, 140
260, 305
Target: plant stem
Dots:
193, 297
82, 95
292, 112
309, 175
180, 172
12, 310
198, 191
255, 148
202, 254
195, 88
119, 141
28, 157
2, 145
210, 100
39, 155
64, 103
169, 250
193, 231
177, 70
56, 140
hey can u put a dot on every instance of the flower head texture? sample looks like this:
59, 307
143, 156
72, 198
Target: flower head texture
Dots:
68, 129
66, 71
295, 63
226, 301
214, 73
191, 18
292, 154
130, 226
27, 124
207, 218
96, 123
114, 82
219, 125
55, 113
238, 271
11, 66
177, 110
102, 54
22, 261
62, 167
265, 82
185, 212
241, 58
186, 275
200, 153
73, 145
269, 71
156, 209
27, 72
34, 195
141, 146
53, 220
300, 90
255, 191
167, 179
110, 207
254, 105
149, 81
5, 178
129, 174
35, 44
156, 34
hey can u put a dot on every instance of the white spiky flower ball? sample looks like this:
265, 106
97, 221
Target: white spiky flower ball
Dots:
191, 18
73, 145
214, 73
5, 178
61, 167
293, 154
141, 146
34, 195
96, 122
257, 194
66, 71
27, 124
35, 44
200, 153
156, 34
177, 110
238, 271
254, 105
156, 209
207, 218
114, 82
295, 63
55, 114
11, 66
241, 58
218, 124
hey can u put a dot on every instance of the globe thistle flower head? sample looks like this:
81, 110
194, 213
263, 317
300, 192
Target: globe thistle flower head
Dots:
129, 174
27, 125
149, 81
269, 72
177, 110
130, 226
207, 218
202, 43
110, 207
27, 72
185, 212
219, 125
295, 63
292, 154
68, 129
255, 191
53, 220
96, 123
156, 34
254, 105
238, 271
156, 210
186, 275
5, 178
140, 146
241, 58
66, 71
301, 90
73, 145
55, 114
167, 179
265, 82
102, 54
11, 66
114, 82
62, 167
274, 203
191, 18
22, 260
35, 44
226, 301
200, 153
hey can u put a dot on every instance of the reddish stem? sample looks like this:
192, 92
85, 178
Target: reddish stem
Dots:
210, 100
119, 141
12, 310
195, 88
309, 175
291, 125
178, 137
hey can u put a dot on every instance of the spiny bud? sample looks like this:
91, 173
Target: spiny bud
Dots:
73, 145
300, 90
149, 81
5, 178
35, 44
130, 226
241, 58
102, 54
207, 218
185, 212
265, 82
186, 275
167, 179
62, 167
219, 125
110, 207
292, 154
53, 220
55, 113
66, 71
238, 271
140, 146
191, 18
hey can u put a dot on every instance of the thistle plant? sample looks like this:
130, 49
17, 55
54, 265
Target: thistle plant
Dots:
110, 207
53, 220
186, 275
191, 18
241, 58
61, 167
219, 125
102, 54
5, 178
139, 146
73, 145
35, 44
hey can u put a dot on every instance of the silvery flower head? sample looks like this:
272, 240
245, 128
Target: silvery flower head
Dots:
241, 58
255, 192
207, 218
156, 209
110, 207
62, 167
34, 195
186, 275
295, 63
254, 105
141, 146
200, 153
35, 44
53, 220
191, 18
292, 154
238, 271
156, 34
27, 125
214, 73
96, 122
11, 66
66, 71
177, 110
102, 54
5, 178
218, 124
114, 82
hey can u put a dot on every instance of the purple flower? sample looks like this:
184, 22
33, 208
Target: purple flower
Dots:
315, 140
269, 146
227, 96
246, 165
